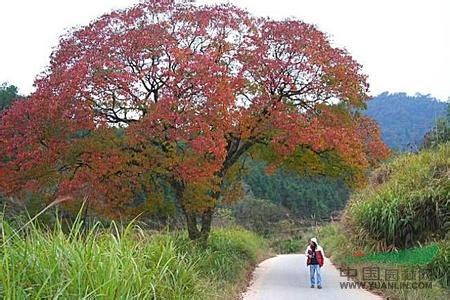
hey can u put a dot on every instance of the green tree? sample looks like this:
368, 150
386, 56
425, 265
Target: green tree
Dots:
440, 133
8, 94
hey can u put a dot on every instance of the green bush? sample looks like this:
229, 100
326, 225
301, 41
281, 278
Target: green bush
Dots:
290, 246
259, 215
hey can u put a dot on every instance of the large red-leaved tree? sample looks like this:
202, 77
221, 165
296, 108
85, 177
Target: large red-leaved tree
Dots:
181, 93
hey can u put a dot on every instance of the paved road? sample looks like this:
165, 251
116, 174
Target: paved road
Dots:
286, 277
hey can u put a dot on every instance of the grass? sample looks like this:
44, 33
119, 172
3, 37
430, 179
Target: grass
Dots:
123, 263
340, 245
410, 256
409, 206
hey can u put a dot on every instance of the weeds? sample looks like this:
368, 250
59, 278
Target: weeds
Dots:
411, 206
121, 263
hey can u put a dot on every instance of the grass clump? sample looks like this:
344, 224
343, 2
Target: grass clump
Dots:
410, 206
122, 263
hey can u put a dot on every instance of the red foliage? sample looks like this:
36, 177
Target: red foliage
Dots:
193, 89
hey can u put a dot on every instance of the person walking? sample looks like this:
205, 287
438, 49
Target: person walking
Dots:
315, 257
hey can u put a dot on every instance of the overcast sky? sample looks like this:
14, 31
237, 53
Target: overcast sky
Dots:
404, 45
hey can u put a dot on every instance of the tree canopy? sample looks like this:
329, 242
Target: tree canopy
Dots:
179, 93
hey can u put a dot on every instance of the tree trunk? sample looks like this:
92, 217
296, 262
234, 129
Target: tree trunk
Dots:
196, 234
191, 222
206, 226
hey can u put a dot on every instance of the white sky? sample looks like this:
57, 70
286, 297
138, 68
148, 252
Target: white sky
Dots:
404, 45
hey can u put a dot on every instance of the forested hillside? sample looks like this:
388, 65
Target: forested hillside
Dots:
310, 196
403, 119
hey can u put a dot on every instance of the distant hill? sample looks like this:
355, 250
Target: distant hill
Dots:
404, 119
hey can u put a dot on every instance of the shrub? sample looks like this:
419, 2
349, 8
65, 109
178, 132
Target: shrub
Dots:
258, 215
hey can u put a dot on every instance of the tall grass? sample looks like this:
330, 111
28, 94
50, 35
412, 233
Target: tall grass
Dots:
410, 206
121, 263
